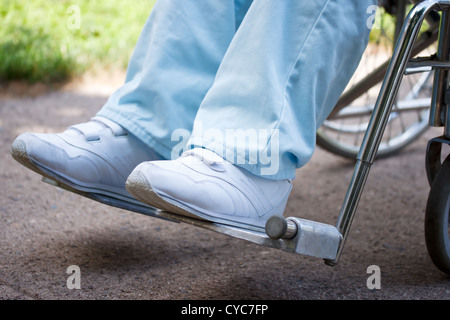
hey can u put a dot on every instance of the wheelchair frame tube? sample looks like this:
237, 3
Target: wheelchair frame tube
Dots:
438, 112
380, 115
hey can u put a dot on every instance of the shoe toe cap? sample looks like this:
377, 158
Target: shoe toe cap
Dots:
46, 150
170, 180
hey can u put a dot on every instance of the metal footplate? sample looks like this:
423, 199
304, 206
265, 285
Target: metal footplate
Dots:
293, 235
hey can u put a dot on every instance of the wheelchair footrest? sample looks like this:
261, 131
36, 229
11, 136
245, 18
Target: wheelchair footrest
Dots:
310, 238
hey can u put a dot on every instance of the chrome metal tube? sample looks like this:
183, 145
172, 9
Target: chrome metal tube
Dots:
380, 116
440, 84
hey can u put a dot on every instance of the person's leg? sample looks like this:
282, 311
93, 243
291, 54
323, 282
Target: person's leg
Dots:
282, 74
173, 66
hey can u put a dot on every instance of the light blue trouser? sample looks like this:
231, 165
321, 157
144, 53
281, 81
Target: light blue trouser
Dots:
250, 80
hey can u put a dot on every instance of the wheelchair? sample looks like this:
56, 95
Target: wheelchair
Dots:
325, 241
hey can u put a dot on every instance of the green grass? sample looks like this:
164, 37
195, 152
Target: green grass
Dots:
39, 44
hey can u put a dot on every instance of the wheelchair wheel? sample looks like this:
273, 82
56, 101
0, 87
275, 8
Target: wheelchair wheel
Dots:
343, 131
437, 230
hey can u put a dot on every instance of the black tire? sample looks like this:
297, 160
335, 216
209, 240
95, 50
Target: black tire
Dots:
437, 230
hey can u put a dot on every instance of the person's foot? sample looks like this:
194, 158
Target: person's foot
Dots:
202, 185
93, 157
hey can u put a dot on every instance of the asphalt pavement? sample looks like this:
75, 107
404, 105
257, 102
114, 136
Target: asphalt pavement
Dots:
56, 245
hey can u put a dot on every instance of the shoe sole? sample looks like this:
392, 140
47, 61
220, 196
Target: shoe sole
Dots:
140, 187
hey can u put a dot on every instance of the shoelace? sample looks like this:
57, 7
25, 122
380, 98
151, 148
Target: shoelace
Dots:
91, 129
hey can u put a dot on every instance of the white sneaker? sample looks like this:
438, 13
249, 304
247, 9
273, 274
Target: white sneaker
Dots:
202, 185
94, 157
